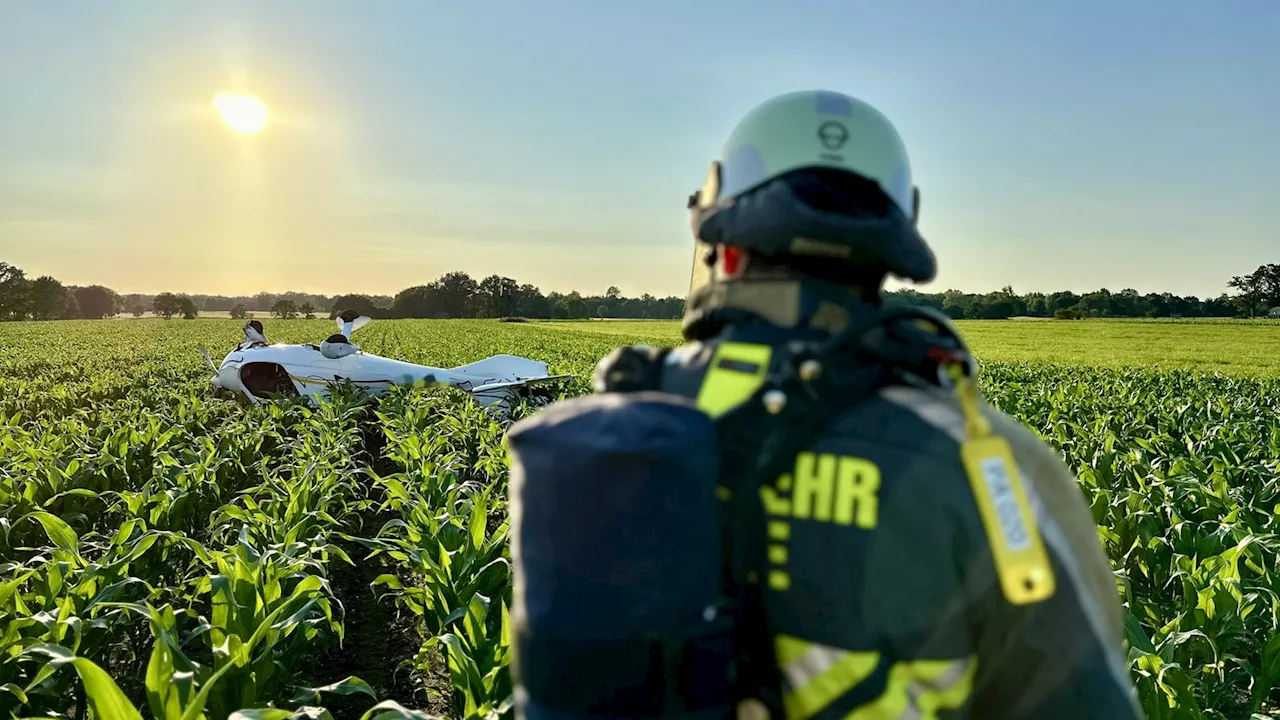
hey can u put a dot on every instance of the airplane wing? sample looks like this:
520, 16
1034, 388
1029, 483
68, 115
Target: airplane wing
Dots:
508, 366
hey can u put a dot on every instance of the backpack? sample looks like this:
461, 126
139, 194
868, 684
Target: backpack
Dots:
638, 535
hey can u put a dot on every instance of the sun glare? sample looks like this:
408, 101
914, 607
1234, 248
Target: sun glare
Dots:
244, 114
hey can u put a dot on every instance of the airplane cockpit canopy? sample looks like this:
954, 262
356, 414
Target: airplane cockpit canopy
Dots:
266, 379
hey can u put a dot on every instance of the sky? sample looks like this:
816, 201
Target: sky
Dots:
1064, 144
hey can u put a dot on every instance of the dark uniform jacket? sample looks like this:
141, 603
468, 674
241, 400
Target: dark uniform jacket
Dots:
882, 590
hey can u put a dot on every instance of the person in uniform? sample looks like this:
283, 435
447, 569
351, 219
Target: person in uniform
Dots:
928, 556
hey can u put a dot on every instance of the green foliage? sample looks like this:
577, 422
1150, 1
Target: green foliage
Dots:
285, 309
170, 553
166, 305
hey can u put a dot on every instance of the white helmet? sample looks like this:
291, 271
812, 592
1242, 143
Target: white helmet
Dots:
741, 204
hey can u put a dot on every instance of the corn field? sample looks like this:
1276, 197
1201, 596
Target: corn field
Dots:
169, 554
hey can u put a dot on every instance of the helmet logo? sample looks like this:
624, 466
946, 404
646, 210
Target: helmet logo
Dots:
833, 135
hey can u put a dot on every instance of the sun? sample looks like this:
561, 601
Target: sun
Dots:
244, 114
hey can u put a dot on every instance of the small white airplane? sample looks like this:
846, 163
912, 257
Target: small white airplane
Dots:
260, 370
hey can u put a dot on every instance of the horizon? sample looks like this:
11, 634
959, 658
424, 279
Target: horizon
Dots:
555, 145
889, 287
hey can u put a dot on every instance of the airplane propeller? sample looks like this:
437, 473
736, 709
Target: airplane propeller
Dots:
208, 359
346, 327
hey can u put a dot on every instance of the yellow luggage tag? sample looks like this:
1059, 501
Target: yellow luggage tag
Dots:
1020, 558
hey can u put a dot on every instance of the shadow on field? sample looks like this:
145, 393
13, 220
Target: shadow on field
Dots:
381, 645
377, 643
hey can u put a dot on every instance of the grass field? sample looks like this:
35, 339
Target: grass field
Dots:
1237, 348
174, 552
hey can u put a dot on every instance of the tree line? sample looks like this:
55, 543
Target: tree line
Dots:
452, 295
457, 295
1258, 295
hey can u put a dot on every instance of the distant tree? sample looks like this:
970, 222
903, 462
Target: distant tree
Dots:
419, 301
71, 309
1250, 298
1128, 303
1219, 307
533, 304
497, 296
955, 304
1258, 291
457, 293
1156, 305
602, 311
1062, 300
188, 307
97, 302
613, 293
166, 305
1037, 304
284, 309
48, 298
14, 293
239, 311
308, 310
1268, 280
1016, 305
575, 305
361, 304
135, 305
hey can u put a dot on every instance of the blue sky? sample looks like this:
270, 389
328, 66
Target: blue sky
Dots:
1060, 144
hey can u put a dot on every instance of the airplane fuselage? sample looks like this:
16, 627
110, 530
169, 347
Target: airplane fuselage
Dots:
281, 369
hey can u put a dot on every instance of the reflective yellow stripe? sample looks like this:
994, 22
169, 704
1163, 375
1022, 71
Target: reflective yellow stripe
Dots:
818, 674
788, 648
941, 684
307, 381
735, 372
312, 381
918, 690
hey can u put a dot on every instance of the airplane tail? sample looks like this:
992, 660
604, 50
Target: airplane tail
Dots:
504, 366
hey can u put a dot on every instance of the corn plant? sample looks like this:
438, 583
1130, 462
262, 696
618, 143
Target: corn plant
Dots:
171, 553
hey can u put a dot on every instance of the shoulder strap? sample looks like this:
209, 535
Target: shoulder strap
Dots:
758, 439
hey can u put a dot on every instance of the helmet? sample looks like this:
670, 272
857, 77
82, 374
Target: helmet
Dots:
816, 178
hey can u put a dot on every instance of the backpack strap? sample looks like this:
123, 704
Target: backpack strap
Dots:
758, 440
811, 384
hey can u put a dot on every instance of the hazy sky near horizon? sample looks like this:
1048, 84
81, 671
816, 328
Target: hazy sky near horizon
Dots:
1072, 144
